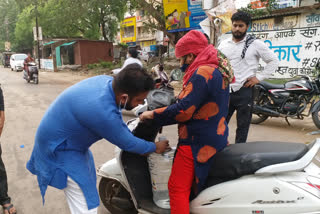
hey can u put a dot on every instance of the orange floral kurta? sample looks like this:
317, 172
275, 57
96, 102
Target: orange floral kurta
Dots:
200, 112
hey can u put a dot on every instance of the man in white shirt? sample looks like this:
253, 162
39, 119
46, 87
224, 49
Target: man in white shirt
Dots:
244, 53
132, 58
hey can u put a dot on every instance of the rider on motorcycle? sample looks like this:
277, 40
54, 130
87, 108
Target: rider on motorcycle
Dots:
200, 112
25, 63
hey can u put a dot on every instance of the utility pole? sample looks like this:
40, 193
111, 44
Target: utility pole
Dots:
7, 42
6, 22
37, 30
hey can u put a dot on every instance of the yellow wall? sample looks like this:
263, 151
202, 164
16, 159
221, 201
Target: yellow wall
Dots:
128, 22
147, 43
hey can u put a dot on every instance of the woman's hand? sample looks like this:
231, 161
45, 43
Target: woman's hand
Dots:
147, 115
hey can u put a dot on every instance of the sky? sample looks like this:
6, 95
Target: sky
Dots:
241, 3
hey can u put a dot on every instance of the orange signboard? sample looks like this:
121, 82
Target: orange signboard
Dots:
258, 4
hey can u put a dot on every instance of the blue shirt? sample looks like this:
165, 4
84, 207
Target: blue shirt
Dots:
83, 114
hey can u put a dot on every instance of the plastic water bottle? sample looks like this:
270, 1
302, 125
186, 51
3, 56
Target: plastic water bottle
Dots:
160, 169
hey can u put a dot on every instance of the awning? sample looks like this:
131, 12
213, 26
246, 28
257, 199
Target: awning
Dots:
69, 43
49, 43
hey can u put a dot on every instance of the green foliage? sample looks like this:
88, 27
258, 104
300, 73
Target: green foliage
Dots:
8, 17
58, 19
92, 66
123, 46
256, 13
154, 13
105, 64
23, 30
101, 64
97, 19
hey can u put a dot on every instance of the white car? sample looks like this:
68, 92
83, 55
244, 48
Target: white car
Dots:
143, 55
16, 61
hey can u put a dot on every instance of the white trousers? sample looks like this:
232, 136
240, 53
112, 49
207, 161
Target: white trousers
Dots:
76, 200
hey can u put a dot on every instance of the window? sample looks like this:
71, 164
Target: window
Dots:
129, 31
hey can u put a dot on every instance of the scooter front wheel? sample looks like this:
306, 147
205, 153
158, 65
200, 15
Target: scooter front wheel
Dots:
115, 197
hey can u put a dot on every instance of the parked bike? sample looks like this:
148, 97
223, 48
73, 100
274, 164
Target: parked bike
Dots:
256, 177
295, 99
34, 73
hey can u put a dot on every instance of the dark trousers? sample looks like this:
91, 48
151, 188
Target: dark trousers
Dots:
4, 198
241, 101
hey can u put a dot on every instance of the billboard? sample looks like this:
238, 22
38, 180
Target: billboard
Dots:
128, 30
295, 41
7, 46
297, 50
183, 15
258, 4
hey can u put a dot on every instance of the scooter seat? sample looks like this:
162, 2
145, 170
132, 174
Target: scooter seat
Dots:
271, 86
242, 159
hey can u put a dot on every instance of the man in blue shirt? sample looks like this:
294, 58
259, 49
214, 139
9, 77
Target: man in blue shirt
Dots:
83, 114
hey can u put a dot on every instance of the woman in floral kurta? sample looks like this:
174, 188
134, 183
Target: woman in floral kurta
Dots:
200, 112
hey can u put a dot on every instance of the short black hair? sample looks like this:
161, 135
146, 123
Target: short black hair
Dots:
133, 52
241, 16
133, 80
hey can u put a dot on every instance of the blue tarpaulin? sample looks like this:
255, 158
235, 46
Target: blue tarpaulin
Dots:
58, 57
69, 43
49, 43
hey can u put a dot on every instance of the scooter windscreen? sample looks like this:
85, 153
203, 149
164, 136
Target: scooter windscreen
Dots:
159, 98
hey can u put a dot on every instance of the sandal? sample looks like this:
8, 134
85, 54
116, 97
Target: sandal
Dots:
8, 209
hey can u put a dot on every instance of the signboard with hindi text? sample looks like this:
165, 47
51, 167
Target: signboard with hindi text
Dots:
128, 30
294, 39
311, 20
297, 49
258, 4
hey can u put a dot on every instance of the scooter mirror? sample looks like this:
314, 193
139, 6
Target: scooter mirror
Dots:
176, 74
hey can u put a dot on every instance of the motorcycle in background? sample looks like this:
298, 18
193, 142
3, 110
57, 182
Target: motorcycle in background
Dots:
289, 100
34, 73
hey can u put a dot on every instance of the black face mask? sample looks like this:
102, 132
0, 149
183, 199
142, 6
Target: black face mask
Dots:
184, 67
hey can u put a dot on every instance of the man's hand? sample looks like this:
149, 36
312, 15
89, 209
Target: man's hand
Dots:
162, 146
251, 82
147, 115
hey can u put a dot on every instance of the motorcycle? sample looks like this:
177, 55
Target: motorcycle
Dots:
34, 73
289, 100
256, 177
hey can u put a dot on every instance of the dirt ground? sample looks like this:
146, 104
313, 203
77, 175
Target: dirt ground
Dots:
25, 105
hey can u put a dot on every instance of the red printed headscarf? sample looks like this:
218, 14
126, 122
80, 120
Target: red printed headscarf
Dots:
196, 43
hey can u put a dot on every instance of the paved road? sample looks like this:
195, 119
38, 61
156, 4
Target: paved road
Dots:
25, 106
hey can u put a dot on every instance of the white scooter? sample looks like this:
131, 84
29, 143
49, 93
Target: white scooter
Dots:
250, 178
34, 73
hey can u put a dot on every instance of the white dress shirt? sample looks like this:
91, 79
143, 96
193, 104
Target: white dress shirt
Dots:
248, 67
128, 61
